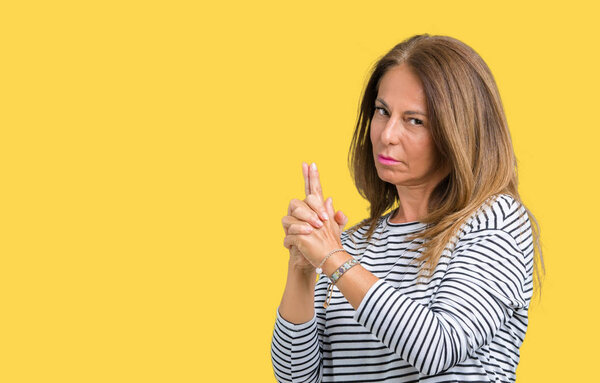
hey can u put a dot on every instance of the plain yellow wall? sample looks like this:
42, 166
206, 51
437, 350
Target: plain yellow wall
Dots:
149, 149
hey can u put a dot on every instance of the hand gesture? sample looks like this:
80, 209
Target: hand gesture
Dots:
310, 234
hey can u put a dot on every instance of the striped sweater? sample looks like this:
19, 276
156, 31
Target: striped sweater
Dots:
465, 323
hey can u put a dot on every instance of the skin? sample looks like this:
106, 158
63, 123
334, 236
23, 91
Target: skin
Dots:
398, 133
297, 303
395, 132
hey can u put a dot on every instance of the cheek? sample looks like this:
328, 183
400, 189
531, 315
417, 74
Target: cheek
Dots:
373, 134
424, 150
376, 127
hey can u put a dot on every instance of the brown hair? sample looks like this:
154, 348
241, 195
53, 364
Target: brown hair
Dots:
470, 131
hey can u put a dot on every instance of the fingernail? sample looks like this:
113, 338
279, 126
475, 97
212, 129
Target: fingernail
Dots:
319, 223
324, 215
313, 166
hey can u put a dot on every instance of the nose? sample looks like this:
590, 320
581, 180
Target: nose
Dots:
390, 134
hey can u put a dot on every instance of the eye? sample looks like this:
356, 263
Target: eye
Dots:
416, 121
381, 111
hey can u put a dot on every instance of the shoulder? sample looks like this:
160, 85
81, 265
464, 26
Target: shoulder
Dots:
504, 215
494, 251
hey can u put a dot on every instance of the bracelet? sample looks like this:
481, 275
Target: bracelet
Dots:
319, 270
336, 276
342, 269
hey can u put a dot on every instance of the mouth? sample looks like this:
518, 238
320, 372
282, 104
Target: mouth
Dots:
387, 160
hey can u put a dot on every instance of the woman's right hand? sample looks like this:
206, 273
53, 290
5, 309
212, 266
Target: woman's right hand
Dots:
297, 259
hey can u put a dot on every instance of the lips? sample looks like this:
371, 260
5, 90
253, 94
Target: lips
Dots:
387, 160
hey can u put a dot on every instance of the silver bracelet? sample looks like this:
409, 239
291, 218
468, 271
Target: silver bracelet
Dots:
319, 270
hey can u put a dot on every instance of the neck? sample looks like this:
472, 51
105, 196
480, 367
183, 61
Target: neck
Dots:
414, 199
414, 203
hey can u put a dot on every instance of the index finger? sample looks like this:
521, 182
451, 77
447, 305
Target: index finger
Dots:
306, 181
314, 181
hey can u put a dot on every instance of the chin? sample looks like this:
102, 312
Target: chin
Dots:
387, 176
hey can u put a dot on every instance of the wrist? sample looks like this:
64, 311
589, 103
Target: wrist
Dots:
319, 268
305, 273
335, 261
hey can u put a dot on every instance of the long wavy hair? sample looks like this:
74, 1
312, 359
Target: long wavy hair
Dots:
470, 132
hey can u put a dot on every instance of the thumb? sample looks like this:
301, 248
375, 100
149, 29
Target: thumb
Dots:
338, 216
329, 207
341, 219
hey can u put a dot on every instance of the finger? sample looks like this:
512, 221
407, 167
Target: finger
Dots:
306, 181
288, 221
284, 224
329, 207
331, 212
338, 216
294, 204
292, 225
316, 204
314, 182
289, 241
304, 213
308, 216
294, 251
341, 219
299, 228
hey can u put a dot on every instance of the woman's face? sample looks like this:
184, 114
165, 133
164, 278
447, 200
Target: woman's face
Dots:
403, 148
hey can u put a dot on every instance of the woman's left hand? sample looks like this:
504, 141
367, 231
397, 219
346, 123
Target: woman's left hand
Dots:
317, 242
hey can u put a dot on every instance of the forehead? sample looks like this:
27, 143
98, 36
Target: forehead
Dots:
401, 88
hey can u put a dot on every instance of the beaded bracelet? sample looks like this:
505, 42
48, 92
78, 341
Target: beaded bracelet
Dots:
319, 269
342, 269
336, 276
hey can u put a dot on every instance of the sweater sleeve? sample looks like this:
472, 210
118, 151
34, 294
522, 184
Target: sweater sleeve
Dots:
484, 284
296, 351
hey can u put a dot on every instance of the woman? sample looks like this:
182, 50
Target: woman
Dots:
437, 289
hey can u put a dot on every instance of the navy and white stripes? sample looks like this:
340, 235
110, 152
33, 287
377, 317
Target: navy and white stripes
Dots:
466, 323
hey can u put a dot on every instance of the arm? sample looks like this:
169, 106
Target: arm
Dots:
295, 346
296, 352
483, 285
314, 241
297, 303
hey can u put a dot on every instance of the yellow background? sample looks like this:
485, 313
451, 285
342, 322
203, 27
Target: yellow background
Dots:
149, 149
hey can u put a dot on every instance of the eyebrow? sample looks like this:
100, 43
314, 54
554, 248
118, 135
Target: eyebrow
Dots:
407, 112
